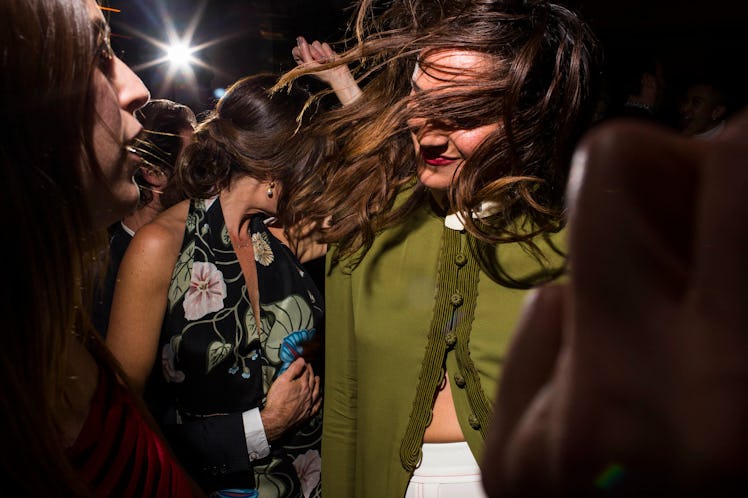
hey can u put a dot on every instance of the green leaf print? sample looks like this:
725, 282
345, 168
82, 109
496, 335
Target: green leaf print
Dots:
217, 351
268, 376
251, 326
225, 238
175, 342
180, 278
287, 316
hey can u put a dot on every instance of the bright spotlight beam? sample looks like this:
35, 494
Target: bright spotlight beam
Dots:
179, 51
179, 54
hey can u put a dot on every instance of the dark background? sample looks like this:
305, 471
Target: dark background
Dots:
257, 35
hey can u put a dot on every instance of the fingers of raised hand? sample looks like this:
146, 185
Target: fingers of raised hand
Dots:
297, 55
328, 51
311, 53
301, 52
316, 50
321, 52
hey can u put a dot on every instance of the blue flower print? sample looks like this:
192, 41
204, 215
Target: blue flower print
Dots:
235, 493
292, 347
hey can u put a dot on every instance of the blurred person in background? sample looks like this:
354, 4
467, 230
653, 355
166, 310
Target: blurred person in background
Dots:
167, 129
703, 110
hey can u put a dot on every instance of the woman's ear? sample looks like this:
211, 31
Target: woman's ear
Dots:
719, 112
154, 176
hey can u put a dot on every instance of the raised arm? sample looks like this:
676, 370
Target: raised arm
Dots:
339, 78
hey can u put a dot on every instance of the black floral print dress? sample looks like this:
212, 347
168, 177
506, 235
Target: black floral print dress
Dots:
217, 364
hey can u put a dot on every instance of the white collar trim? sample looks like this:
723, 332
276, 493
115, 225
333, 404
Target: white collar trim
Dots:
456, 221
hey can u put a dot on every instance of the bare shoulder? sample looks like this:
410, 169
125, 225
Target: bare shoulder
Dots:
161, 238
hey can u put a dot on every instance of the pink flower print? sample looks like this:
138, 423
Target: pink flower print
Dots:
206, 293
308, 468
171, 374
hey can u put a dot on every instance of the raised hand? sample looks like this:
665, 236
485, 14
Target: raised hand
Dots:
338, 77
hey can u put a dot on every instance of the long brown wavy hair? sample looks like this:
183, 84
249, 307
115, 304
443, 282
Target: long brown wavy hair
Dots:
49, 50
540, 88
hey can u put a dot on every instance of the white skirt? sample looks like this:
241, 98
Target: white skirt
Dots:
447, 470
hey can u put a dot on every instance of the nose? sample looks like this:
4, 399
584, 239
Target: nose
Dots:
428, 133
131, 92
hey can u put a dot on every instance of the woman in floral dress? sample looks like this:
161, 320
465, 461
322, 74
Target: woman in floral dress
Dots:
213, 293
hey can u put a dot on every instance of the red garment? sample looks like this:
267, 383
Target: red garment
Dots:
117, 452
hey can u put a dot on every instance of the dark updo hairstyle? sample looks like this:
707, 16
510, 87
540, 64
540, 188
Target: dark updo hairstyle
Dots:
253, 132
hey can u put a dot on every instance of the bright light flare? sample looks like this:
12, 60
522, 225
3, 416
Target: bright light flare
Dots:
179, 54
177, 50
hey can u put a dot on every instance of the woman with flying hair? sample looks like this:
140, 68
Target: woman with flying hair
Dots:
444, 203
70, 426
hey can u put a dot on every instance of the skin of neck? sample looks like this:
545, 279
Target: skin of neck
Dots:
143, 215
440, 197
245, 196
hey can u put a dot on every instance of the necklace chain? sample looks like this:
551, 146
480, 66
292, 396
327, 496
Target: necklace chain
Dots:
248, 243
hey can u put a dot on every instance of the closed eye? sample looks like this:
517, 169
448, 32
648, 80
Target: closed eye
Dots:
104, 53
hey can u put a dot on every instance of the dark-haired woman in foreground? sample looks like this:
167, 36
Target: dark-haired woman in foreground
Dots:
69, 425
167, 129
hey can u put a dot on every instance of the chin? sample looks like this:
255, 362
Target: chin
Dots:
435, 180
121, 205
